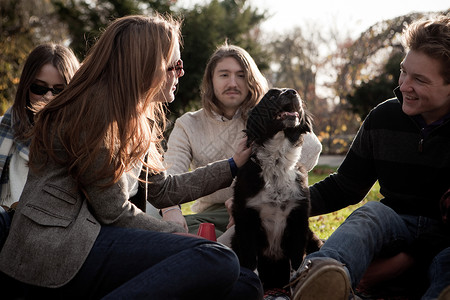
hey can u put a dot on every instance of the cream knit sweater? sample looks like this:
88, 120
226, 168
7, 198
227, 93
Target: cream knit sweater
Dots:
198, 139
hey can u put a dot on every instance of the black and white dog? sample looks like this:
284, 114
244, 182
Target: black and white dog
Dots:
271, 197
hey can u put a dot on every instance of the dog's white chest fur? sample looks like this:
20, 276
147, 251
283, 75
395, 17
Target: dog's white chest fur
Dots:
281, 192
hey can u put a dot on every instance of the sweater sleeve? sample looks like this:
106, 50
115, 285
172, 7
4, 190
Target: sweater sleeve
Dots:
111, 206
168, 190
178, 156
352, 181
311, 150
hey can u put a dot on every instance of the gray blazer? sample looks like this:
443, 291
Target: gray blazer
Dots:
55, 225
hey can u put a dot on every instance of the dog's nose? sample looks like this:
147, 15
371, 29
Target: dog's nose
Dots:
291, 92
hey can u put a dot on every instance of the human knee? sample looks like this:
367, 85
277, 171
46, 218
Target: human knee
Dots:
377, 218
222, 258
374, 207
442, 258
375, 210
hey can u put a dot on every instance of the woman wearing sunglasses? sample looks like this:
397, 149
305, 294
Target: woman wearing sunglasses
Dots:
47, 70
75, 234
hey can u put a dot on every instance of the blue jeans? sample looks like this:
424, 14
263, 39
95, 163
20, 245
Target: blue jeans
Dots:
139, 264
5, 223
373, 228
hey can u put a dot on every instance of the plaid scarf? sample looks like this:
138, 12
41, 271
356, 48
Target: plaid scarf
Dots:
6, 148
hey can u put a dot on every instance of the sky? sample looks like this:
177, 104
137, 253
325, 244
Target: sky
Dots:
354, 16
349, 17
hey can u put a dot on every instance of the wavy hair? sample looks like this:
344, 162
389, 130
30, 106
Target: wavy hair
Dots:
108, 107
432, 37
62, 58
256, 82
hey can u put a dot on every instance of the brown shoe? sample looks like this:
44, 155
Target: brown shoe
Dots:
320, 278
445, 294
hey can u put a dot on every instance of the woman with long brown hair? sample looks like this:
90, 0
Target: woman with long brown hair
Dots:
47, 70
75, 234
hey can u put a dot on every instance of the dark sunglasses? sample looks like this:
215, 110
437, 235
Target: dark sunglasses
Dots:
178, 67
42, 90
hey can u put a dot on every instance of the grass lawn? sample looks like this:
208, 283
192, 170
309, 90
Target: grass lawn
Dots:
322, 225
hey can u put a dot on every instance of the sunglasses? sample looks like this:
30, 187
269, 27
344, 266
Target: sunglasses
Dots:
42, 90
178, 67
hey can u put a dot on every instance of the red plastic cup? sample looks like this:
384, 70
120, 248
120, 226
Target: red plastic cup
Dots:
208, 231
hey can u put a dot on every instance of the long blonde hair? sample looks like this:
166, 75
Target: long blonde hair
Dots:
108, 107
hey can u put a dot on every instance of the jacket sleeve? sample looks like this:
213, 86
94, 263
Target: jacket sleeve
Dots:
352, 181
111, 206
167, 190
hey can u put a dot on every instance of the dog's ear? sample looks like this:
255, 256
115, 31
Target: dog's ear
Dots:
253, 127
260, 115
306, 121
257, 118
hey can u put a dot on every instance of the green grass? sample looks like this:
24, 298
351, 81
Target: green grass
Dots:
323, 225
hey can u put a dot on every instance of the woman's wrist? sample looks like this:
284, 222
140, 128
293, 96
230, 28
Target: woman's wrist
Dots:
165, 210
233, 167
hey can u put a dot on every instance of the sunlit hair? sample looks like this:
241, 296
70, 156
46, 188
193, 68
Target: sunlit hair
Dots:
108, 107
62, 59
432, 37
256, 82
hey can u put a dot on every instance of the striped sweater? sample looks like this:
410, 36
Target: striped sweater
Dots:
412, 168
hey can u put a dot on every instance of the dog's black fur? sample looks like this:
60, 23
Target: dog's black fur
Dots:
271, 196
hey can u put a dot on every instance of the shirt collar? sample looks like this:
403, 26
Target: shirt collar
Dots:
219, 117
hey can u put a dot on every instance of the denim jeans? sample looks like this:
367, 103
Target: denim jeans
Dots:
5, 223
373, 228
139, 264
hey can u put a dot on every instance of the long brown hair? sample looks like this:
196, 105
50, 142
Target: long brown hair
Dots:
108, 107
256, 82
62, 59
